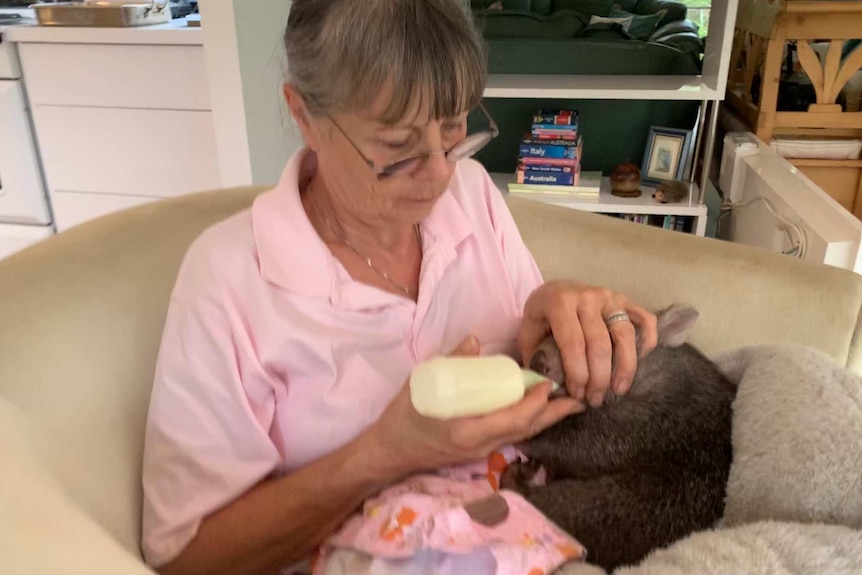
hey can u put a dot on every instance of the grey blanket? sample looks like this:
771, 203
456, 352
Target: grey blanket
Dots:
794, 497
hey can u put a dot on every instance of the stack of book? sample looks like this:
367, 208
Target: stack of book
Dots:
549, 160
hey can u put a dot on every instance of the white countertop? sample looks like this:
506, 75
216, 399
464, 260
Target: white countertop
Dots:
176, 32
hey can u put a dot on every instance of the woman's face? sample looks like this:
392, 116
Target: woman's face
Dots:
346, 140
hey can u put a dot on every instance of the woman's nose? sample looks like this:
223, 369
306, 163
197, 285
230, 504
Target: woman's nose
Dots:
435, 166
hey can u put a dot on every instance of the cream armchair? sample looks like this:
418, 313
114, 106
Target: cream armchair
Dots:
81, 317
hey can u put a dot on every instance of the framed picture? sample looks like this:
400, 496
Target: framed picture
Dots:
666, 155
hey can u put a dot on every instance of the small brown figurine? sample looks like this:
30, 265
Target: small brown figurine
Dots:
626, 180
671, 191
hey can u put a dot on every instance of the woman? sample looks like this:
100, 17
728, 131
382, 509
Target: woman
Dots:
279, 402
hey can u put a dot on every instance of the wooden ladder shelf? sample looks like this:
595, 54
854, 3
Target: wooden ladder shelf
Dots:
762, 33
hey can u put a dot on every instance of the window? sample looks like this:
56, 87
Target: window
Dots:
698, 12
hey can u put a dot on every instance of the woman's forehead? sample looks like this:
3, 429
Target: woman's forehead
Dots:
418, 112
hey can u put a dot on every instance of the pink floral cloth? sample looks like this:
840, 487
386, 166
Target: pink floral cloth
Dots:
421, 526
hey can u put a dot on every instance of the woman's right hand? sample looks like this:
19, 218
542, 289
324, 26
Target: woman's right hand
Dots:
412, 442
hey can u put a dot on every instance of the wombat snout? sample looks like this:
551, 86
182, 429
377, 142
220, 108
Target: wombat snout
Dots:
548, 361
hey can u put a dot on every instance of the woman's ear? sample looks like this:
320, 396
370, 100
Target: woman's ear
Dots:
299, 111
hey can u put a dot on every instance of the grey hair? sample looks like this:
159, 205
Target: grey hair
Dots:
341, 54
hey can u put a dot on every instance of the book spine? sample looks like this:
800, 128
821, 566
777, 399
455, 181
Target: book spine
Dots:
560, 162
552, 141
568, 137
554, 127
567, 169
548, 151
555, 179
556, 117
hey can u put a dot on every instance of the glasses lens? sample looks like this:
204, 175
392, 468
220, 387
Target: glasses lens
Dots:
469, 146
464, 149
402, 167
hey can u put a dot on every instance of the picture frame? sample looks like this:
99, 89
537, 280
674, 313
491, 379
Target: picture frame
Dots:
666, 155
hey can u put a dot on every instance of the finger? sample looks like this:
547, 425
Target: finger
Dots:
515, 420
598, 352
569, 335
647, 325
469, 346
553, 412
624, 356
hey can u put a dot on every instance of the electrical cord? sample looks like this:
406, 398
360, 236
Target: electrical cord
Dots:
801, 248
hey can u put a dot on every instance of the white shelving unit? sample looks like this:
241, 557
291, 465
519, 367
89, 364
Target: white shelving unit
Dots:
708, 87
607, 203
585, 87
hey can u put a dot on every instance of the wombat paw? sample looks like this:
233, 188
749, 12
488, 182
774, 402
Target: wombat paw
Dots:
521, 476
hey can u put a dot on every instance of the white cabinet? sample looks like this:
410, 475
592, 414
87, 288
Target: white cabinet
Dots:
119, 124
157, 153
105, 75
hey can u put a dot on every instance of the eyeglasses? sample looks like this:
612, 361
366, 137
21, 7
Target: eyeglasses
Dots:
463, 149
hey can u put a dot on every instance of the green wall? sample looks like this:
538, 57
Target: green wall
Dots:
613, 130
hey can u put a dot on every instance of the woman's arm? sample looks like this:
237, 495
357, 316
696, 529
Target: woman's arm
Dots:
281, 521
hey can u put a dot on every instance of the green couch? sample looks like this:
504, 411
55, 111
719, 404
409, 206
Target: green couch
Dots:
588, 37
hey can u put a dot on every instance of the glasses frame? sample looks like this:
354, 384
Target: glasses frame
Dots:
461, 150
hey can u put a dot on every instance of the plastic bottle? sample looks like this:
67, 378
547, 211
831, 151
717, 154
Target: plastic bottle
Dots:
447, 387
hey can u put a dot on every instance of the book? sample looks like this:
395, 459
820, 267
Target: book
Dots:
555, 127
528, 139
555, 117
564, 169
554, 135
557, 162
532, 148
589, 184
546, 178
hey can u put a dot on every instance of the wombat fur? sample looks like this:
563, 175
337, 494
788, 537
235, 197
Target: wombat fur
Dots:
645, 469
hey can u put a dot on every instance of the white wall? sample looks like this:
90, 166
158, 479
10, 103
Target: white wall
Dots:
245, 62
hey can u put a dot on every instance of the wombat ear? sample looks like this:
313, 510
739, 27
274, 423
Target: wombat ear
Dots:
675, 323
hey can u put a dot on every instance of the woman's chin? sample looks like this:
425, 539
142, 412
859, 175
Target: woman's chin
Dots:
421, 206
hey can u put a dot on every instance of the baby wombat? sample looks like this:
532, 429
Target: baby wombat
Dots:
645, 469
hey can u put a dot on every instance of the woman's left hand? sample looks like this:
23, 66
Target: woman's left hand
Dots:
596, 355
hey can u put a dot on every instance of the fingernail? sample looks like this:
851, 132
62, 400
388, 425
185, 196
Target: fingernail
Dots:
577, 408
597, 398
580, 393
623, 387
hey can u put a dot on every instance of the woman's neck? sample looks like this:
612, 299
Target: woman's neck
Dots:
338, 223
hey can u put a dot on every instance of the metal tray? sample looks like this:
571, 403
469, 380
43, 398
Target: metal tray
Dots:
102, 15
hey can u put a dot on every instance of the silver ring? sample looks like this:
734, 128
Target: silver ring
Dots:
618, 316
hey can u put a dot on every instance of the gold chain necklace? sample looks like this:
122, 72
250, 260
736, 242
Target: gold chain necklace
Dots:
382, 273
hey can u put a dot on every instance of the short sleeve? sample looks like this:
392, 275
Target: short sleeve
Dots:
521, 266
207, 439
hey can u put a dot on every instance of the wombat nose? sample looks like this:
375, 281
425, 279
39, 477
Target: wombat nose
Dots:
539, 362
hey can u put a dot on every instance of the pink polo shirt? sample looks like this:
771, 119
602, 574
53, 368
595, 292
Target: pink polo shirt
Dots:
272, 356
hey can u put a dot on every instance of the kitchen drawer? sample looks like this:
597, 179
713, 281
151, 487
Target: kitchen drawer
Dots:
73, 208
157, 153
120, 76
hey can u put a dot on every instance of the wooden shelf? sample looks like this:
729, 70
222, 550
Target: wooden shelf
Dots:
816, 163
599, 87
607, 203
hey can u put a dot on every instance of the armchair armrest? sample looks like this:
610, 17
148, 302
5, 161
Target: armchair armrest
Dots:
745, 295
675, 10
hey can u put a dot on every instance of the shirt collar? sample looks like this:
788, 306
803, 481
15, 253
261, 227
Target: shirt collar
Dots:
293, 257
